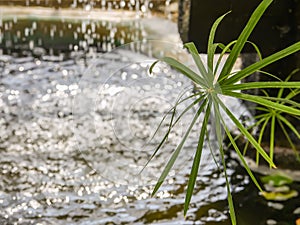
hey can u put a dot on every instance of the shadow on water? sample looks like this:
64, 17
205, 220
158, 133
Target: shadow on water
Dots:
77, 164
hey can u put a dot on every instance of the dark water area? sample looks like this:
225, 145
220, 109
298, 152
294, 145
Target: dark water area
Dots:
37, 37
139, 5
76, 126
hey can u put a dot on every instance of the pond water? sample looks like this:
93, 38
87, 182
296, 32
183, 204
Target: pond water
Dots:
76, 126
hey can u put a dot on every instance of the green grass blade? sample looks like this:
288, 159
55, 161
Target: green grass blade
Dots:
245, 148
171, 125
241, 156
197, 101
263, 63
281, 90
261, 133
212, 152
256, 124
172, 109
286, 134
196, 162
289, 125
272, 136
282, 101
263, 101
255, 17
197, 59
162, 140
266, 119
232, 141
174, 156
289, 140
218, 118
229, 196
183, 112
256, 48
222, 46
226, 49
246, 133
211, 48
210, 67
263, 109
181, 68
217, 121
292, 94
262, 84
152, 66
269, 74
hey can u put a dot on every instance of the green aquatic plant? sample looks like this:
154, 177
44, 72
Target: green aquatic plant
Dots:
277, 187
277, 179
213, 81
268, 120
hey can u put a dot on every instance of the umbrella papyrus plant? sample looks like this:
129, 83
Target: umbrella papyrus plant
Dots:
212, 82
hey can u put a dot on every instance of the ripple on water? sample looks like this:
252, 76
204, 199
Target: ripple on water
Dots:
44, 177
80, 166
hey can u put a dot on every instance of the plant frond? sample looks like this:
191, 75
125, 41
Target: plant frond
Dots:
174, 156
196, 161
242, 39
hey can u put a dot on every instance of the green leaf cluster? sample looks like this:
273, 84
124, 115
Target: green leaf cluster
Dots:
212, 82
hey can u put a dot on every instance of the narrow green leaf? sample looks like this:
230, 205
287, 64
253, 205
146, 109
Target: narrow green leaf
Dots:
211, 48
265, 92
185, 70
261, 133
217, 121
256, 48
289, 140
262, 101
255, 17
222, 47
266, 119
263, 63
152, 66
292, 94
245, 148
292, 104
269, 74
262, 84
281, 90
196, 162
229, 196
197, 59
241, 156
272, 136
211, 150
218, 118
173, 109
263, 109
162, 140
171, 125
226, 49
289, 125
174, 156
246, 133
197, 101
286, 134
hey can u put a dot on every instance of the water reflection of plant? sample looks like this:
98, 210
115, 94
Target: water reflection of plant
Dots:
212, 84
